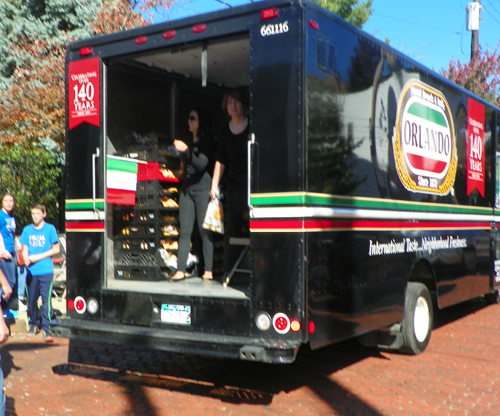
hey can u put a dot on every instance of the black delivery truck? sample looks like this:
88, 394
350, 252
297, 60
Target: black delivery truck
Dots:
373, 187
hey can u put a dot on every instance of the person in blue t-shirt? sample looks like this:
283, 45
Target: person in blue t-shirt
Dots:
8, 231
40, 243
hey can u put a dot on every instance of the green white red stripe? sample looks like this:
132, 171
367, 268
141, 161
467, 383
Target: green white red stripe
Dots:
309, 212
121, 180
84, 215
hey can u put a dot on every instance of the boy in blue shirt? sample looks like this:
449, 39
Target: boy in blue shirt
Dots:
40, 243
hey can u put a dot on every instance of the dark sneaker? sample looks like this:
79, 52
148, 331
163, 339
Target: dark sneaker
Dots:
13, 304
32, 331
47, 337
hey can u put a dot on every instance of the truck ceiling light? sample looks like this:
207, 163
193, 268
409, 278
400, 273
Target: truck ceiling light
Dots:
263, 321
169, 34
88, 50
80, 305
269, 13
295, 325
141, 40
199, 28
314, 24
92, 306
281, 323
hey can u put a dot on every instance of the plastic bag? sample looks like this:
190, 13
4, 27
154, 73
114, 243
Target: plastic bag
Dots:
169, 259
214, 219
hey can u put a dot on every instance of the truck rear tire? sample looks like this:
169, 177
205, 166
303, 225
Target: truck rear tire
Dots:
417, 322
492, 298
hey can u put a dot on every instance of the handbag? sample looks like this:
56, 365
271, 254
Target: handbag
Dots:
20, 261
214, 219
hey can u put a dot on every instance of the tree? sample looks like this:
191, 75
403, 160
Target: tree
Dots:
481, 75
33, 39
356, 12
30, 175
32, 105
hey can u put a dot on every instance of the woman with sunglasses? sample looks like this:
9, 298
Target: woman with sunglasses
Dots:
194, 195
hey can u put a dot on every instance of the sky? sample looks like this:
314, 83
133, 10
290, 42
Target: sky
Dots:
429, 31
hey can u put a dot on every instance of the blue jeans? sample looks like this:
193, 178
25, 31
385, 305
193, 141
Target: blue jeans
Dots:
9, 270
39, 286
21, 282
3, 400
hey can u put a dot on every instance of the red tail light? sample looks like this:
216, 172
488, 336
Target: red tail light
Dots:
80, 305
269, 13
281, 323
199, 28
169, 34
314, 24
86, 51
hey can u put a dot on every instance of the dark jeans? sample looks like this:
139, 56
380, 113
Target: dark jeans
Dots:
39, 286
9, 270
192, 208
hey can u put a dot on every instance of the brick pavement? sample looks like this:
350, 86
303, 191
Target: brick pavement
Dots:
458, 374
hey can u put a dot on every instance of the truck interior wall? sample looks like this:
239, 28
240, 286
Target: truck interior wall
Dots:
140, 102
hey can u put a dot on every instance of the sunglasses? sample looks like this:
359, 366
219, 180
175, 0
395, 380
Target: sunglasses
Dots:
193, 118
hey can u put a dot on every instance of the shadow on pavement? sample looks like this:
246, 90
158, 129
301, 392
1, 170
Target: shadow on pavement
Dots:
225, 380
233, 381
9, 365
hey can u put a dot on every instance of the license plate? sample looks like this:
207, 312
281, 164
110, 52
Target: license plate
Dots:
176, 314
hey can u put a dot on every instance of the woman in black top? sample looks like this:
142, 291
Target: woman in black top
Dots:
232, 158
194, 195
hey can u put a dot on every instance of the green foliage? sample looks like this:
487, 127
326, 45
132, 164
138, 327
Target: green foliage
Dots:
53, 21
34, 35
30, 175
356, 12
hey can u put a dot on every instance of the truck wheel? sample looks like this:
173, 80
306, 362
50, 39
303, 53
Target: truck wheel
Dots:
492, 298
417, 323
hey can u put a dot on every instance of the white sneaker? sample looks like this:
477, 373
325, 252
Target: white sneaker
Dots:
22, 307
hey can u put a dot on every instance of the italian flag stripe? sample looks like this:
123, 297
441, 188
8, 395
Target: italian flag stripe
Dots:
122, 165
88, 226
121, 179
121, 197
428, 114
335, 201
297, 225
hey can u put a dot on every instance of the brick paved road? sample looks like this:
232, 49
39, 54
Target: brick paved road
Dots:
458, 374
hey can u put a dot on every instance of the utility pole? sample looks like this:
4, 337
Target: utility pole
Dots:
474, 47
473, 10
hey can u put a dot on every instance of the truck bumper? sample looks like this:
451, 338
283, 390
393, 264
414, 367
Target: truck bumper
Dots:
213, 345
